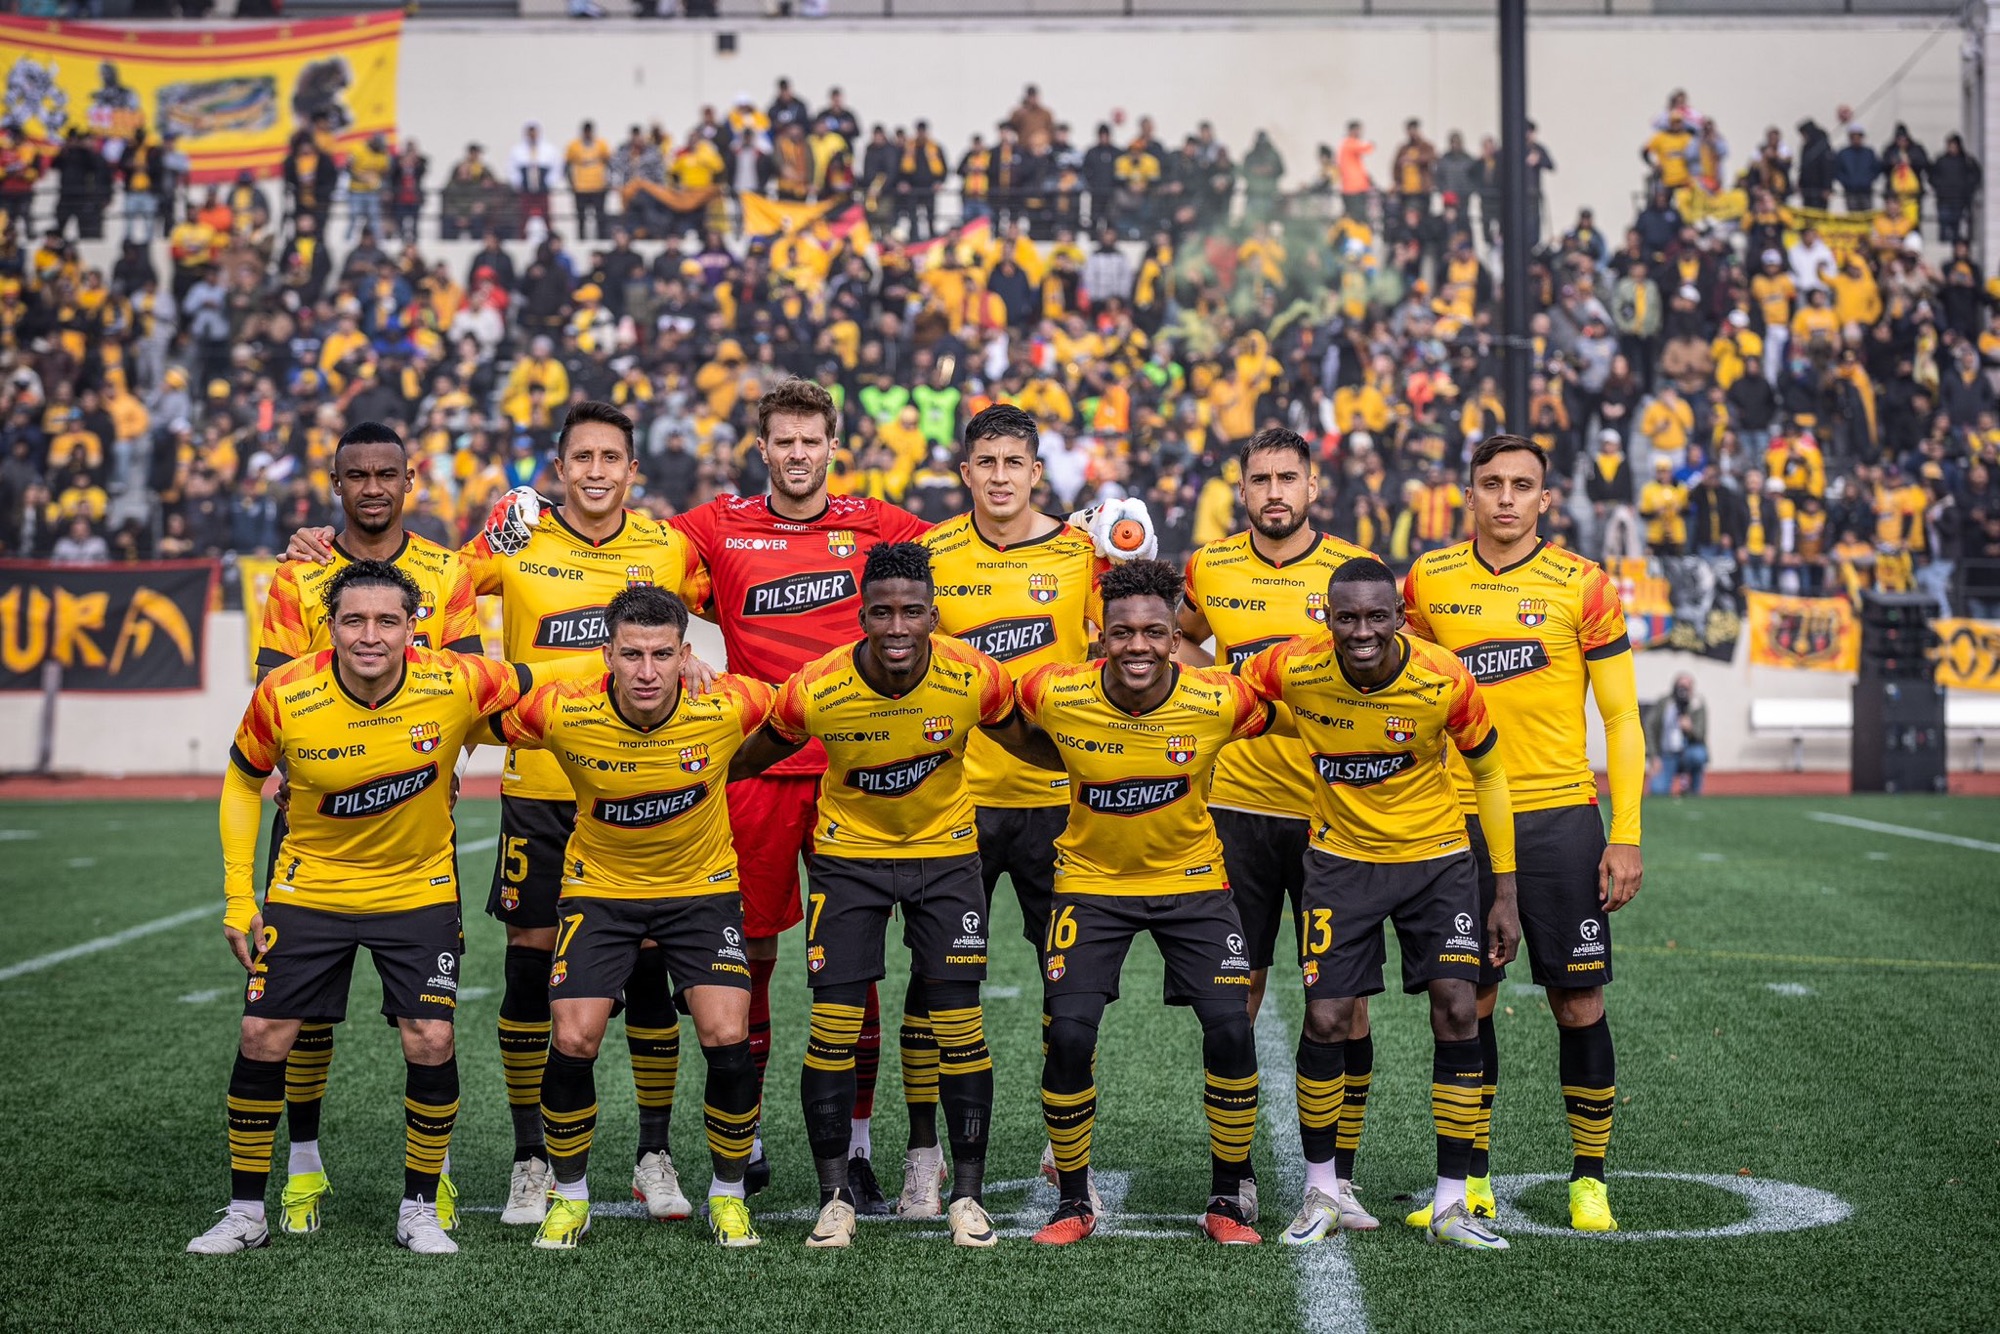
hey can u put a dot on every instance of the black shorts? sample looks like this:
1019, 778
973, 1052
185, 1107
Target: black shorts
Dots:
1199, 935
1564, 928
1266, 859
527, 875
1020, 843
305, 962
1432, 904
847, 917
598, 942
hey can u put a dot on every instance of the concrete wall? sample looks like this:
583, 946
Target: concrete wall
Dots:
1594, 83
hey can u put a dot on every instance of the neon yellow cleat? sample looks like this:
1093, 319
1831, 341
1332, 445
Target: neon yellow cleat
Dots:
1590, 1206
729, 1223
301, 1202
564, 1224
1420, 1218
447, 1204
1479, 1197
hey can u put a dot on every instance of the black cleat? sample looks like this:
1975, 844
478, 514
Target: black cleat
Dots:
861, 1184
756, 1174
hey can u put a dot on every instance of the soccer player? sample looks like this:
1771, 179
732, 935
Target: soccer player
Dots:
1375, 709
554, 580
1139, 735
1257, 588
1536, 626
368, 733
371, 478
895, 831
649, 860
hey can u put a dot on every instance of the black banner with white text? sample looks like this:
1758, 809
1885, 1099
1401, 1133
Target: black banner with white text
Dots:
109, 627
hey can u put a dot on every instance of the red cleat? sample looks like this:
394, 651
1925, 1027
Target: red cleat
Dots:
1073, 1221
1225, 1226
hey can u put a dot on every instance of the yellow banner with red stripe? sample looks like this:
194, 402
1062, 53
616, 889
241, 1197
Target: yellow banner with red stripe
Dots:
1816, 634
232, 96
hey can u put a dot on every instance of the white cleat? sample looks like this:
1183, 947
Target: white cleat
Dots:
1317, 1220
835, 1229
1457, 1227
232, 1233
528, 1193
923, 1181
971, 1226
658, 1187
417, 1231
1354, 1218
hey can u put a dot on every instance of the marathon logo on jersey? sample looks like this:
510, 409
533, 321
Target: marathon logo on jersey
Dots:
1361, 769
648, 809
1242, 653
898, 779
694, 759
937, 731
638, 576
1134, 796
1180, 749
1002, 640
1042, 588
1400, 730
1316, 607
841, 543
1533, 611
425, 738
799, 593
579, 629
377, 795
1494, 660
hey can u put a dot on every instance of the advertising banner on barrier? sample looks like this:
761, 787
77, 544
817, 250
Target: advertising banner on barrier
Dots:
1968, 654
110, 627
1814, 634
232, 97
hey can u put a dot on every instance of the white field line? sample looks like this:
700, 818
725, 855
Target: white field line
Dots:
110, 942
1902, 831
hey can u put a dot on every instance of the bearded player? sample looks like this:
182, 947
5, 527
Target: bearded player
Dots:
1538, 626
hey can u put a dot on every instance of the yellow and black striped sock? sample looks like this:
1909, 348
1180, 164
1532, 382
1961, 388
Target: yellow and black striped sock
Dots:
729, 1108
1069, 1096
1489, 1057
1589, 1070
524, 1044
430, 1110
1229, 1093
1359, 1056
1321, 1083
569, 1113
653, 1036
256, 1100
1455, 1078
305, 1081
919, 1050
965, 1081
826, 1086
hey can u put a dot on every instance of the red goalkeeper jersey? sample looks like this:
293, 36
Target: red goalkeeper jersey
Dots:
788, 592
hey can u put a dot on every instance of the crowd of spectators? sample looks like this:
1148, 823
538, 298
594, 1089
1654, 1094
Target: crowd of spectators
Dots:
1766, 368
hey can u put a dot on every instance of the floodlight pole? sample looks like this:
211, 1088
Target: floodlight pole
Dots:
1514, 211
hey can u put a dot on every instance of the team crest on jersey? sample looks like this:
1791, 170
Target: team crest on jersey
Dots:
1533, 611
638, 576
937, 730
255, 991
1400, 729
1180, 749
559, 973
841, 543
815, 958
1056, 968
424, 738
694, 758
1042, 587
426, 607
1316, 607
1311, 970
510, 897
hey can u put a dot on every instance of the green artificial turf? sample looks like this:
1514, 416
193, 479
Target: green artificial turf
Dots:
1798, 1002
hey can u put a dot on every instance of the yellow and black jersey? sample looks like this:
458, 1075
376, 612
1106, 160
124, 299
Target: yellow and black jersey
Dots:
1137, 821
652, 821
1381, 792
1252, 604
552, 598
1527, 633
895, 782
370, 811
1025, 605
295, 615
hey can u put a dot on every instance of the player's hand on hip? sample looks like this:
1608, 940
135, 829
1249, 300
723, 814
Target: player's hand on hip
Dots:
1503, 923
239, 942
313, 544
511, 521
697, 677
1121, 530
1619, 873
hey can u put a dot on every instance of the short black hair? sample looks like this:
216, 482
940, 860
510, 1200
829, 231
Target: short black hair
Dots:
372, 574
897, 560
1363, 570
1276, 437
1004, 419
1141, 579
1493, 446
369, 433
645, 604
590, 410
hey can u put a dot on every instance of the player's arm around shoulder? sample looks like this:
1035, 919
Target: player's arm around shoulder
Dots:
783, 733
